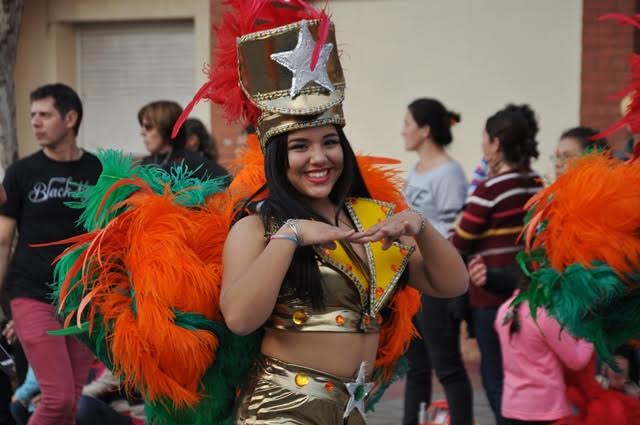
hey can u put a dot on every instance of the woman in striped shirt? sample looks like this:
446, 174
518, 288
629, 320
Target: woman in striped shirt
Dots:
488, 231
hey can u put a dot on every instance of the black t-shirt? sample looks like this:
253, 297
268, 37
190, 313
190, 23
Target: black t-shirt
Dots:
37, 188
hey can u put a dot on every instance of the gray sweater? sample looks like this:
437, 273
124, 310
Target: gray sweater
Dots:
438, 194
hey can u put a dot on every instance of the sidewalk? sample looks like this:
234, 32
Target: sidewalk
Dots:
389, 410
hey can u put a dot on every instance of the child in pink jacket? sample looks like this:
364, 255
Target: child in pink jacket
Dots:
534, 355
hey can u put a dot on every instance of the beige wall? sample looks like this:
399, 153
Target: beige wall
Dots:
47, 44
475, 56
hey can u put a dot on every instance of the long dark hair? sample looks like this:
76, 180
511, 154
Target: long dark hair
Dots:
517, 143
513, 313
285, 202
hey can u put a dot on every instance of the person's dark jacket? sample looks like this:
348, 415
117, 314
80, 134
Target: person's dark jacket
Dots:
203, 167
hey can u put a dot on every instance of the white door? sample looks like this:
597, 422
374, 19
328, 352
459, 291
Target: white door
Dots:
121, 67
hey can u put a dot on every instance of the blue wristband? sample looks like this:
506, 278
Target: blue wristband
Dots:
287, 237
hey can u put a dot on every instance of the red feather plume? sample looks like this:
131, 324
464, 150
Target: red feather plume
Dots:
631, 118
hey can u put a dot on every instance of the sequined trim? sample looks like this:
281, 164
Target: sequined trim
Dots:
285, 93
305, 113
370, 259
378, 305
297, 126
362, 290
385, 268
259, 35
370, 302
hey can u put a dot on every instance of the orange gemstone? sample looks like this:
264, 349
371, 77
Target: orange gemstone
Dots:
299, 317
340, 320
384, 209
349, 267
379, 292
329, 386
403, 251
394, 267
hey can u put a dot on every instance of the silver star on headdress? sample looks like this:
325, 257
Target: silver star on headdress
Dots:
358, 391
298, 61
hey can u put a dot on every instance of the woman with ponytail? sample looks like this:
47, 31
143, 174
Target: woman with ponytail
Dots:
487, 233
436, 188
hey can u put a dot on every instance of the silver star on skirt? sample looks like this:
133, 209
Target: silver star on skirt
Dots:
358, 391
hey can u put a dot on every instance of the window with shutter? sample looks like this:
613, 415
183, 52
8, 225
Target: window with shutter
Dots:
124, 65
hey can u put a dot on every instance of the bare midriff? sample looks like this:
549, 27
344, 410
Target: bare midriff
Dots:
339, 354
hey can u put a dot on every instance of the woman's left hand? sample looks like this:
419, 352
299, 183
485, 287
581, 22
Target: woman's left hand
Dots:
406, 223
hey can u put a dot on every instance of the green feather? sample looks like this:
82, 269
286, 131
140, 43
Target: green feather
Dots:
399, 372
71, 330
229, 372
115, 167
592, 303
189, 190
235, 354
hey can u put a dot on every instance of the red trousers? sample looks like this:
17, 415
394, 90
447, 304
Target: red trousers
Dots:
61, 364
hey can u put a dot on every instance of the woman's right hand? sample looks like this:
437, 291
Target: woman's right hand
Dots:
477, 271
312, 232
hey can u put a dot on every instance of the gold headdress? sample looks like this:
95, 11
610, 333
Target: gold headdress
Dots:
277, 67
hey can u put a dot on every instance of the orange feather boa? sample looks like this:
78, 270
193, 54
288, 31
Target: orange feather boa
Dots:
170, 255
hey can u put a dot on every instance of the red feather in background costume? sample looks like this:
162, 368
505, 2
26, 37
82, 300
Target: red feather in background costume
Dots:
595, 405
631, 118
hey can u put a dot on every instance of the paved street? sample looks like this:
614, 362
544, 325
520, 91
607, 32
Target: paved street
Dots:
389, 409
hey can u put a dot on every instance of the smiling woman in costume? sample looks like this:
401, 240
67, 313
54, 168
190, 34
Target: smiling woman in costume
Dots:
305, 315
319, 265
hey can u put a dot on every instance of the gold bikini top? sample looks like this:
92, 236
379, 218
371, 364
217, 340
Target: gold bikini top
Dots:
353, 300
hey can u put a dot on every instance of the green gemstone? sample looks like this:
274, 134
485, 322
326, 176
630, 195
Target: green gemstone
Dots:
359, 393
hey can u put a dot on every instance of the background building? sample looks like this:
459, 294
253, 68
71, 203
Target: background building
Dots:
474, 56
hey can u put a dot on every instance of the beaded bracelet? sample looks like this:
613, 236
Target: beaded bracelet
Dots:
291, 238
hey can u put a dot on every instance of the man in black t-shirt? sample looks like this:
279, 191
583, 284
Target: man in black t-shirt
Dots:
37, 188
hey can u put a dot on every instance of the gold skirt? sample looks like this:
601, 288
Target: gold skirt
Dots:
280, 393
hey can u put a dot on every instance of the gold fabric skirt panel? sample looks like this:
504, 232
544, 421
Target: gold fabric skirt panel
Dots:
280, 393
